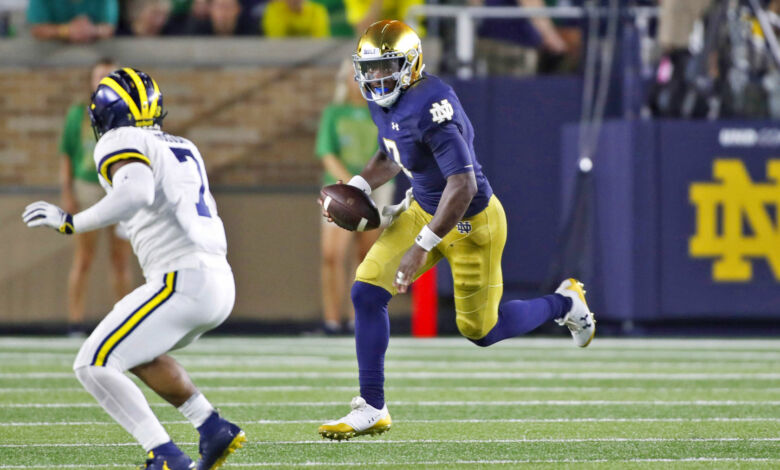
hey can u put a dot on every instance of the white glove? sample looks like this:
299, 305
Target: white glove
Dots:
43, 214
388, 214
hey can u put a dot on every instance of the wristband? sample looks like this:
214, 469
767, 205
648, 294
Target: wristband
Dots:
426, 239
360, 183
67, 225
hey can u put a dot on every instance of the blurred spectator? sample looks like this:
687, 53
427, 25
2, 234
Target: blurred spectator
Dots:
295, 18
675, 25
146, 17
510, 46
337, 17
186, 8
346, 141
75, 22
186, 17
362, 13
225, 19
570, 31
199, 9
80, 189
676, 22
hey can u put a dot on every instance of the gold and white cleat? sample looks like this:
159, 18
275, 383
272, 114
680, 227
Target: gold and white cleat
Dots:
579, 319
363, 419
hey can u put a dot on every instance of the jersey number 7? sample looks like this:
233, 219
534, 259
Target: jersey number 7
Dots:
181, 155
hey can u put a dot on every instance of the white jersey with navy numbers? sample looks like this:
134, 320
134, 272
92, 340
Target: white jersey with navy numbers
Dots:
183, 219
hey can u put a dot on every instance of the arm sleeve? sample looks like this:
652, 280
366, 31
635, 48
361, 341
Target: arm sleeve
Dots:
119, 144
441, 133
133, 190
327, 141
450, 150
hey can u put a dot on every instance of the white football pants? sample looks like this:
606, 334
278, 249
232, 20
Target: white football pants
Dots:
162, 315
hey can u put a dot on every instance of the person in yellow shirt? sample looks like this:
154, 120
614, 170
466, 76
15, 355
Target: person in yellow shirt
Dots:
289, 18
363, 13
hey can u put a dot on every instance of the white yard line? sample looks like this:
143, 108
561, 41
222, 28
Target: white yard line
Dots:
478, 363
433, 421
396, 463
434, 441
448, 375
257, 343
306, 388
445, 403
303, 354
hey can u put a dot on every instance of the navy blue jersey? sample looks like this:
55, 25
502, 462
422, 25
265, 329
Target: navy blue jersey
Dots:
430, 137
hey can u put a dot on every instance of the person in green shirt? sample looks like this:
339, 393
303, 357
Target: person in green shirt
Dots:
74, 21
346, 141
80, 189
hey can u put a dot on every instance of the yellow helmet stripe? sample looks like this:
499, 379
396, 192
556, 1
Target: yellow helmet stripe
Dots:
142, 97
155, 100
111, 83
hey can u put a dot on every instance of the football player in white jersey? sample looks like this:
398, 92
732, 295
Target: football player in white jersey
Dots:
157, 187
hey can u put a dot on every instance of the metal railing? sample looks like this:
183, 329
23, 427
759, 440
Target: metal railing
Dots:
466, 19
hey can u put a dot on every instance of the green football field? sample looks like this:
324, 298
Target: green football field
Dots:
525, 403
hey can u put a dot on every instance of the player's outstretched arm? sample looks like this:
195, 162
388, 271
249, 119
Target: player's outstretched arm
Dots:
133, 189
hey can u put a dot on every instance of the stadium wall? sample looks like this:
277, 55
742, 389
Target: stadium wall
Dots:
686, 222
252, 106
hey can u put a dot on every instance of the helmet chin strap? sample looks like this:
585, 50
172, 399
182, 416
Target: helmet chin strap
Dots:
388, 100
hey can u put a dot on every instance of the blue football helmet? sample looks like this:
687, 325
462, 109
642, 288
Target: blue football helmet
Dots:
126, 97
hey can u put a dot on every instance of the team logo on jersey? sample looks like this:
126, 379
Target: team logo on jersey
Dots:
395, 127
463, 226
734, 222
442, 111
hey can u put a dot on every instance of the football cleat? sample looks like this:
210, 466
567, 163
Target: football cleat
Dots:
579, 319
217, 445
168, 462
363, 419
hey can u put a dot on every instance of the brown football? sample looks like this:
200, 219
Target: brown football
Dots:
349, 207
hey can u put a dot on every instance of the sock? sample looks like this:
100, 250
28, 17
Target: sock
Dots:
196, 409
372, 335
518, 317
125, 402
169, 448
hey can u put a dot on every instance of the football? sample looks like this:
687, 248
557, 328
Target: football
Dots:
349, 207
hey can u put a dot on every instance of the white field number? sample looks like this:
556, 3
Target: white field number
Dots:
392, 148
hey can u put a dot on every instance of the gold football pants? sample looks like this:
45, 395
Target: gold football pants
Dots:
473, 248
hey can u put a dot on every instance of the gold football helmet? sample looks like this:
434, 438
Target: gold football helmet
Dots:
388, 59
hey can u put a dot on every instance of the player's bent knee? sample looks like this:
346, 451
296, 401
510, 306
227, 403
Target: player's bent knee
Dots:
85, 376
472, 329
368, 297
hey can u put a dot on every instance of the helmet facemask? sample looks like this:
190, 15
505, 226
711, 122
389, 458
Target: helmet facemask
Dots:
382, 78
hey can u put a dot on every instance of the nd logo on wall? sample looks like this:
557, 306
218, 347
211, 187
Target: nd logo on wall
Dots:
737, 220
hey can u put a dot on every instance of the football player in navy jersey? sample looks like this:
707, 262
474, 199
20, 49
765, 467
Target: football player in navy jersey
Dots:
450, 212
